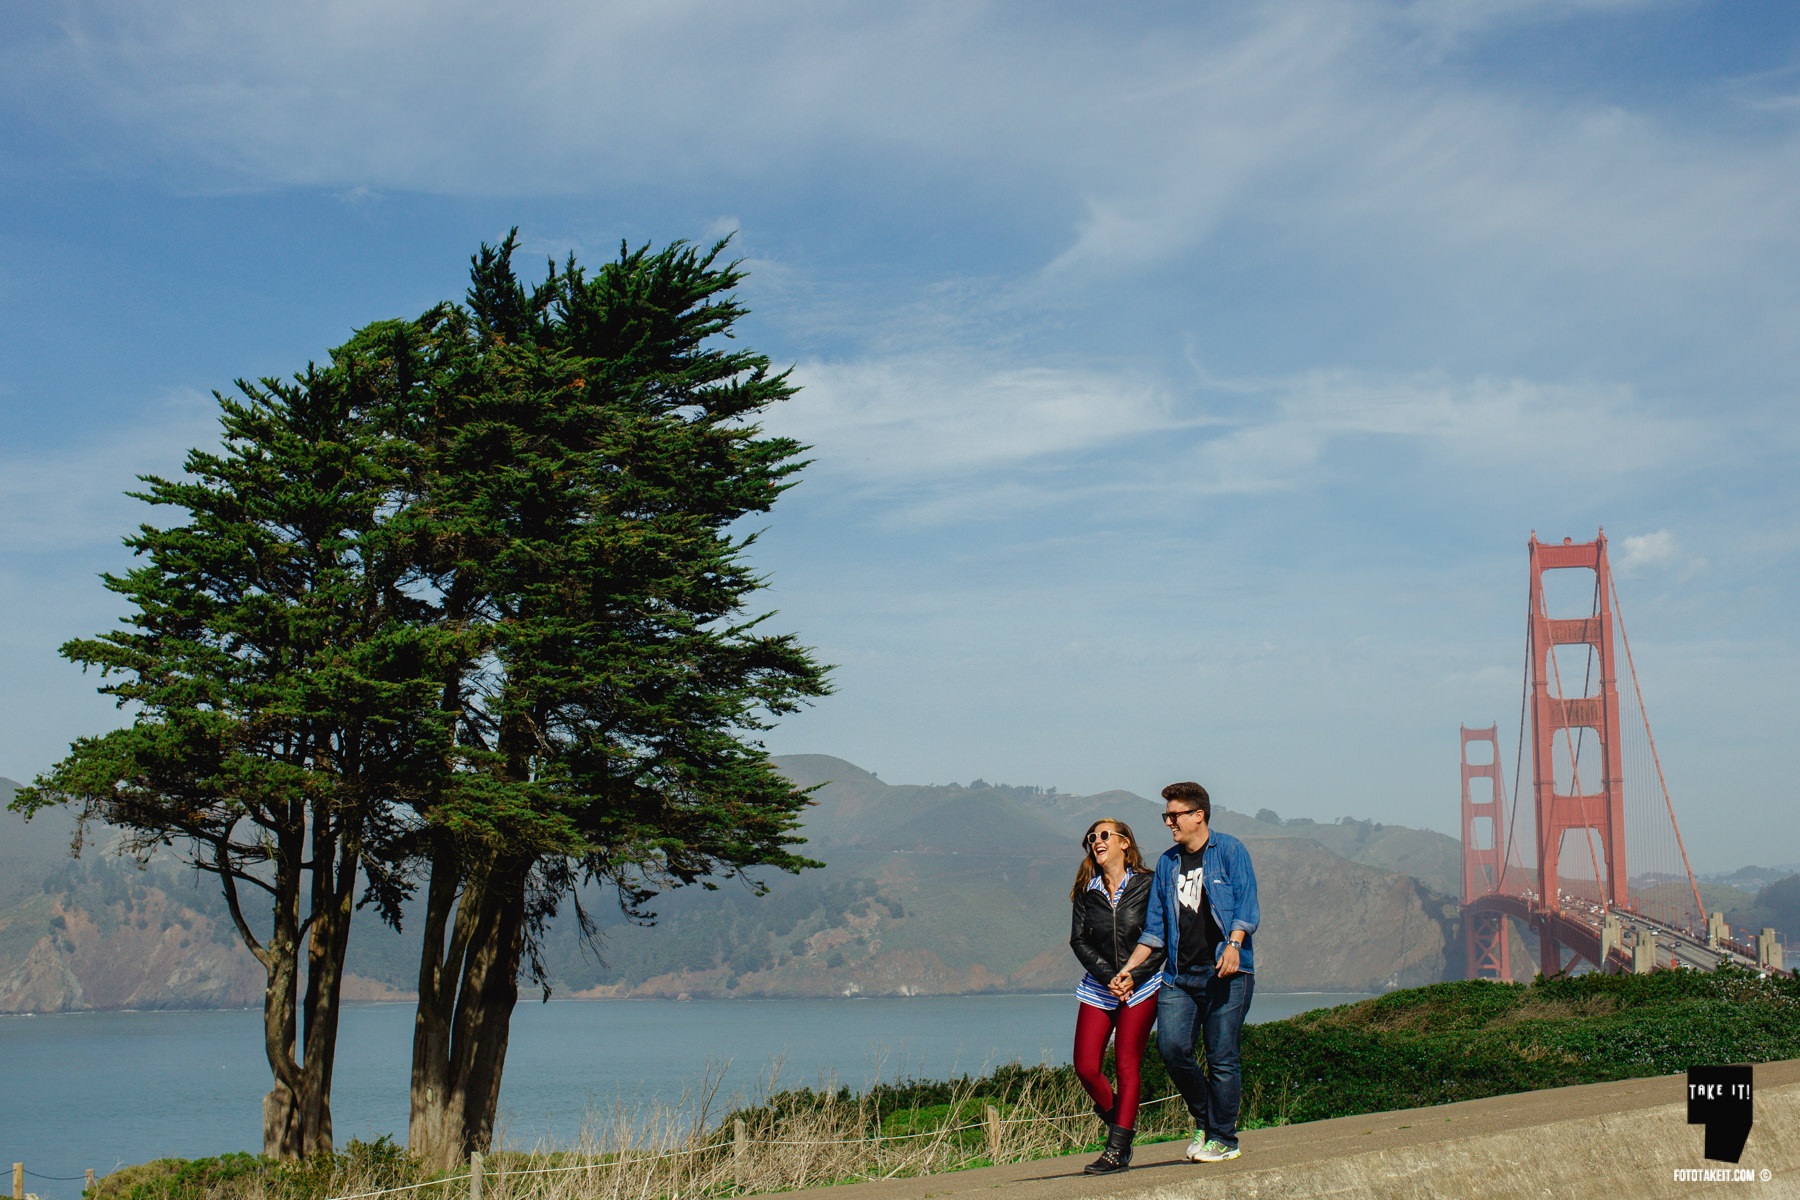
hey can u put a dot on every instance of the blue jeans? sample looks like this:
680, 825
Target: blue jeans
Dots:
1201, 1002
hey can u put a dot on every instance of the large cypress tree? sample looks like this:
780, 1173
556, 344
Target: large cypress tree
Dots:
285, 702
468, 604
583, 454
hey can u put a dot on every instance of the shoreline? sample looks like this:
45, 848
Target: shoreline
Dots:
578, 998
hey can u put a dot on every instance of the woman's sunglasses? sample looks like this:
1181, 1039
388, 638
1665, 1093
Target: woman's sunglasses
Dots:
1099, 835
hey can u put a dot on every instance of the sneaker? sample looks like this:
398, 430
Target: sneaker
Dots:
1213, 1151
1196, 1148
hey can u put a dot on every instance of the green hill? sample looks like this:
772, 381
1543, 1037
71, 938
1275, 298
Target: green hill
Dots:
927, 889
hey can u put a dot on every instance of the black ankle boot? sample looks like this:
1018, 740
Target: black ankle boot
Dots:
1116, 1156
1107, 1115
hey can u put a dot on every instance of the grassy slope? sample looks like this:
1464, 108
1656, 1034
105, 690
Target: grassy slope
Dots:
1460, 1041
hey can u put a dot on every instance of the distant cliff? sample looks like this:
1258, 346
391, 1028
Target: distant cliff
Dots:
100, 932
929, 890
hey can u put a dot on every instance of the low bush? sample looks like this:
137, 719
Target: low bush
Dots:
360, 1166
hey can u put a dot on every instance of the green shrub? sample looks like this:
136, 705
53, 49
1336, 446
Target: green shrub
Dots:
1462, 1041
178, 1178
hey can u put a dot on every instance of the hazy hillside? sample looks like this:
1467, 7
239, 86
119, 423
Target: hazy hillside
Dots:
98, 932
1777, 906
927, 889
953, 888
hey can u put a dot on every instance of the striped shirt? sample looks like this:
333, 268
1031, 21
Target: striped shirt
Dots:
1094, 991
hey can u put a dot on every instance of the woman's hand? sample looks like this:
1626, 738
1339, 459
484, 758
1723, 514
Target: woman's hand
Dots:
1121, 985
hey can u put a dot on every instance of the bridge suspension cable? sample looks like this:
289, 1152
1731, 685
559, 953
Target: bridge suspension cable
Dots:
1655, 758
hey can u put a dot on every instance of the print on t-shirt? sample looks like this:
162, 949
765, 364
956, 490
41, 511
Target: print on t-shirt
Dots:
1191, 889
1199, 928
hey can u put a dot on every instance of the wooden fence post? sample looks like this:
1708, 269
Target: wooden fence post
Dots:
993, 1134
18, 1181
475, 1176
740, 1149
89, 1189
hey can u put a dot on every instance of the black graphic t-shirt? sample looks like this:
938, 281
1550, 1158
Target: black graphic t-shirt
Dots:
1200, 931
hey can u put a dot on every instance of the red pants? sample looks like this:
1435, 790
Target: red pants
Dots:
1093, 1026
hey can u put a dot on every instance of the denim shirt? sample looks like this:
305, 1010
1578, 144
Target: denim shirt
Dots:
1230, 892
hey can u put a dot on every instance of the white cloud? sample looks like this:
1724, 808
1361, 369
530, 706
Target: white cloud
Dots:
943, 436
921, 418
1515, 428
1648, 551
1333, 136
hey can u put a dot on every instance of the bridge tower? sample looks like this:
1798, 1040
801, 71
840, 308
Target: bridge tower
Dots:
1485, 937
1554, 714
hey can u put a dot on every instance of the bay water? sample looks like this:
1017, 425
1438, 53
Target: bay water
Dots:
102, 1090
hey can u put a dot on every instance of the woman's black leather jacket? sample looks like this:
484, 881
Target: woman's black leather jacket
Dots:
1103, 936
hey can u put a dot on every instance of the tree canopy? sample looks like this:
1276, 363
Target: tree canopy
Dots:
589, 450
465, 609
284, 699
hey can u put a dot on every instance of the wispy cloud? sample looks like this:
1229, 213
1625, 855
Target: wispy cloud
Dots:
1647, 551
927, 430
1516, 428
927, 417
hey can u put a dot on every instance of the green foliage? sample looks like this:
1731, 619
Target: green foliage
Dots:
179, 1178
1461, 1041
370, 1165
579, 453
1437, 1044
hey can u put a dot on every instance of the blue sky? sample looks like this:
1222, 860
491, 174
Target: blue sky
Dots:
1184, 379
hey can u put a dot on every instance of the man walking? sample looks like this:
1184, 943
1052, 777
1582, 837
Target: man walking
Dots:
1203, 912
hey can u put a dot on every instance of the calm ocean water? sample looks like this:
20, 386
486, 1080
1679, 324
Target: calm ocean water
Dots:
102, 1090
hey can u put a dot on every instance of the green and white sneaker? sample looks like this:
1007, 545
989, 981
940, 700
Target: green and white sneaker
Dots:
1197, 1147
1213, 1151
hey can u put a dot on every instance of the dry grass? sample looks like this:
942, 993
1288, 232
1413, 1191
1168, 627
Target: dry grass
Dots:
684, 1152
690, 1150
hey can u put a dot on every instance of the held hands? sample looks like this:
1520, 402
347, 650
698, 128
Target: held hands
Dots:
1121, 985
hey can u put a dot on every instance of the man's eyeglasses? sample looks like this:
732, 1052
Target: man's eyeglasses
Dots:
1099, 835
1174, 815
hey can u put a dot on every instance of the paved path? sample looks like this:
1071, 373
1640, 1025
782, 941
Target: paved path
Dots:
1616, 1141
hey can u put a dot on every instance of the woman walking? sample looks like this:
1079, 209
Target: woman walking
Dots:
1111, 897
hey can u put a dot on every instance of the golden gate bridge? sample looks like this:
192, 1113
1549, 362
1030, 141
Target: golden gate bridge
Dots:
1598, 871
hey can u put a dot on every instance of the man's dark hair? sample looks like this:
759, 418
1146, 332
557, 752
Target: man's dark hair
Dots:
1191, 794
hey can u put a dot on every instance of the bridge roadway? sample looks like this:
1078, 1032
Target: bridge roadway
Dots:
1577, 927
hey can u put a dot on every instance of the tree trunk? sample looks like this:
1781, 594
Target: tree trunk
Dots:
297, 1110
334, 893
283, 1123
468, 986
